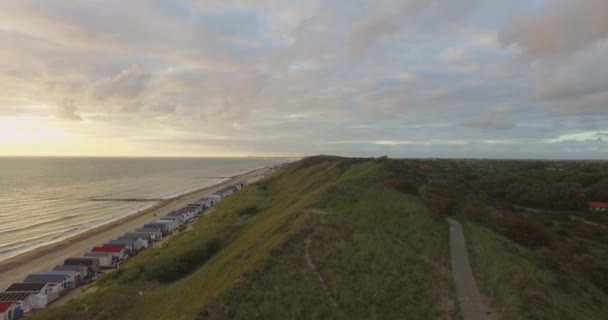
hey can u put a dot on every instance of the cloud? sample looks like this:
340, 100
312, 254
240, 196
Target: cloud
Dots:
585, 136
392, 19
68, 111
589, 105
573, 75
252, 84
384, 72
127, 84
492, 122
558, 26
453, 55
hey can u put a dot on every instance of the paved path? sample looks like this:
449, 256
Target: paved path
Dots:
466, 288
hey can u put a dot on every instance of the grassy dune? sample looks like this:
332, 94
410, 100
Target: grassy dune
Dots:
377, 253
521, 286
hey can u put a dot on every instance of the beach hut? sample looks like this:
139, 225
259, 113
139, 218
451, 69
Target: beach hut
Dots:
139, 243
60, 279
31, 295
135, 245
92, 264
106, 260
177, 221
10, 310
39, 287
73, 277
172, 225
215, 199
143, 235
82, 270
223, 193
27, 300
23, 299
128, 248
197, 207
117, 252
164, 228
186, 214
156, 233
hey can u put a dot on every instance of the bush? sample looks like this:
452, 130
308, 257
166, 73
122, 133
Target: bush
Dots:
526, 231
403, 185
183, 264
249, 211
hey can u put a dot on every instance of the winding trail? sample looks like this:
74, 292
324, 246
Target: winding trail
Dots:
313, 267
466, 288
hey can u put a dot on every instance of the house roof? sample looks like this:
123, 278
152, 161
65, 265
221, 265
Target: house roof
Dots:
79, 261
60, 272
118, 242
98, 254
14, 296
50, 278
148, 230
598, 205
70, 268
5, 305
115, 249
145, 235
26, 287
122, 245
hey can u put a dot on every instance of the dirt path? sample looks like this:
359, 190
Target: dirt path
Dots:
466, 288
313, 267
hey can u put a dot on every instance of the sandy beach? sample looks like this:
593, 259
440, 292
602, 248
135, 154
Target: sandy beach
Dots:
45, 258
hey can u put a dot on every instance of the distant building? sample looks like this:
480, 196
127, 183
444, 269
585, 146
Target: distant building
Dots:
598, 206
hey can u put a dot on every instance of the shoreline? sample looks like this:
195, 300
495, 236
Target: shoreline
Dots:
142, 209
15, 268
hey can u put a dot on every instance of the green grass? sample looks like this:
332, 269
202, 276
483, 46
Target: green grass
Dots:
521, 286
382, 255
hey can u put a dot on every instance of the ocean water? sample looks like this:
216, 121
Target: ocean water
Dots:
44, 200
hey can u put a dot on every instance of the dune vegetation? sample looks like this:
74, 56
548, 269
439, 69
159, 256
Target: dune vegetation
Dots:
324, 237
338, 238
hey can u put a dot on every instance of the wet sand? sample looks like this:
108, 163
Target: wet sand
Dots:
15, 269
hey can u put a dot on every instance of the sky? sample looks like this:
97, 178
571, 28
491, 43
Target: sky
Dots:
403, 78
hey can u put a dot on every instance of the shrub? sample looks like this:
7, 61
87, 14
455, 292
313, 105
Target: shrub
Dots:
183, 264
403, 185
249, 211
526, 231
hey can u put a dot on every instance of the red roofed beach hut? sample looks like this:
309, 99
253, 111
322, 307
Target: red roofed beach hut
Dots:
10, 310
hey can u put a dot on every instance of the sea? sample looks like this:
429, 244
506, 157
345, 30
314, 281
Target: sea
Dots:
45, 200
